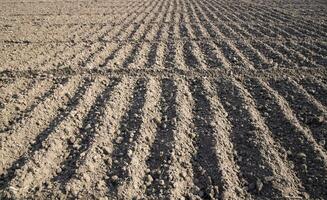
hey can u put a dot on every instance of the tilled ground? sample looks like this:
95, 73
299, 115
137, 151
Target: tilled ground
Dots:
163, 99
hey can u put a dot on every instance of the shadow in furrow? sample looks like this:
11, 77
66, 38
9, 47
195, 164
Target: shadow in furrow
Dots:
295, 58
230, 54
306, 112
207, 172
252, 55
169, 61
318, 47
154, 48
120, 46
41, 137
189, 57
248, 156
161, 150
271, 54
183, 30
318, 59
316, 90
27, 112
128, 133
211, 59
85, 136
307, 163
136, 49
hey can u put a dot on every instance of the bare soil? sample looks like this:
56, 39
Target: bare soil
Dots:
163, 99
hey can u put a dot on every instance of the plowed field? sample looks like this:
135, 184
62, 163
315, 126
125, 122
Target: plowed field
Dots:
163, 99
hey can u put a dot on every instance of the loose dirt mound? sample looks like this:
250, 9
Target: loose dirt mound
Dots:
163, 99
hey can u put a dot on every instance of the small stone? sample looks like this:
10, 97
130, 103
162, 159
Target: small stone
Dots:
305, 195
161, 182
269, 178
114, 178
58, 170
148, 180
182, 198
304, 167
119, 140
317, 120
322, 142
156, 121
183, 174
259, 185
2, 105
129, 153
320, 119
201, 193
302, 155
106, 150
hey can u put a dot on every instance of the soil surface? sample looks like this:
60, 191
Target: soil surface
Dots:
163, 99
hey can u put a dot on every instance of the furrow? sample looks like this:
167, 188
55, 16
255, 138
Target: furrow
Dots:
224, 148
161, 156
309, 112
315, 28
316, 88
46, 56
139, 50
29, 111
291, 55
321, 45
170, 51
86, 135
52, 144
251, 140
273, 57
13, 90
194, 55
91, 177
316, 58
234, 56
98, 59
256, 59
127, 135
302, 153
13, 111
183, 149
16, 142
18, 164
156, 50
318, 48
210, 53
117, 55
68, 51
189, 56
139, 148
207, 174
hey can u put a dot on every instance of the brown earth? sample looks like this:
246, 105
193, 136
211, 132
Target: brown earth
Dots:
163, 99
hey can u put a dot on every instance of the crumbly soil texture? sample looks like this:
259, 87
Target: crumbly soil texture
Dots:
163, 99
